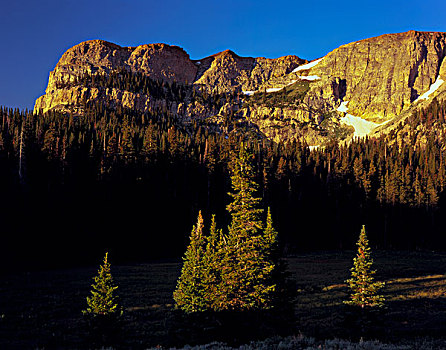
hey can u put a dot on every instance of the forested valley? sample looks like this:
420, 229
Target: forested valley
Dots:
74, 185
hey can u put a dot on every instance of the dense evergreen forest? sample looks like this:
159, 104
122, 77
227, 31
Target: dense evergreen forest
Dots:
72, 186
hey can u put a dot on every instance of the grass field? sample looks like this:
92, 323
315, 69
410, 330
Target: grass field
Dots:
42, 310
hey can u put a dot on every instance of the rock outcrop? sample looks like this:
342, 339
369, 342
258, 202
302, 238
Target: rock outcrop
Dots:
377, 79
383, 76
221, 72
226, 71
157, 61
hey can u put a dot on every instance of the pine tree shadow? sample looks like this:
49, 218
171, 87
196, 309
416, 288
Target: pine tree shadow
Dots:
103, 331
231, 327
364, 323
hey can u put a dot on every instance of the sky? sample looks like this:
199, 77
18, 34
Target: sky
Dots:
35, 34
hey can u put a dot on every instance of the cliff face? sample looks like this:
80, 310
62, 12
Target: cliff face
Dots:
377, 79
383, 76
219, 73
157, 61
226, 71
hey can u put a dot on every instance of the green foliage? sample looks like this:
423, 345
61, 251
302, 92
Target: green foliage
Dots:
244, 209
290, 96
103, 301
189, 294
270, 237
212, 265
364, 290
246, 280
237, 271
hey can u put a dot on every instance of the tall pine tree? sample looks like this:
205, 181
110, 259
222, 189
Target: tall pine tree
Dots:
239, 271
246, 279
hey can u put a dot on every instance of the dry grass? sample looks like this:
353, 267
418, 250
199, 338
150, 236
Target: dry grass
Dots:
43, 309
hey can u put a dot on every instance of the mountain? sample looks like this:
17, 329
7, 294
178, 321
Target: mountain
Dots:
349, 92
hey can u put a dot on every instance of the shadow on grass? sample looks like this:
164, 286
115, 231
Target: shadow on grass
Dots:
231, 327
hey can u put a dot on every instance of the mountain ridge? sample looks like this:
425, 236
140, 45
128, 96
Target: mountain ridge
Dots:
380, 78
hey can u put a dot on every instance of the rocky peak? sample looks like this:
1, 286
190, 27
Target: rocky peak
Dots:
221, 72
158, 61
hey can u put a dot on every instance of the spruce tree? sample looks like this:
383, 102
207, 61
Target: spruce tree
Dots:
239, 271
270, 237
189, 294
364, 290
246, 282
212, 265
103, 301
244, 209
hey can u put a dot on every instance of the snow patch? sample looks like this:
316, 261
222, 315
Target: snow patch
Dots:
273, 89
362, 127
199, 62
307, 66
249, 93
343, 107
431, 90
309, 77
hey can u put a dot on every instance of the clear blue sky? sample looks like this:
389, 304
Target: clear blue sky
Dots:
34, 34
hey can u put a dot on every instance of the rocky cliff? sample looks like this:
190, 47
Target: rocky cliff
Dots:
383, 76
218, 73
357, 86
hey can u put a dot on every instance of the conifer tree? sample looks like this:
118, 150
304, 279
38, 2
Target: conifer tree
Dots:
246, 282
212, 265
271, 237
189, 294
103, 301
244, 209
364, 290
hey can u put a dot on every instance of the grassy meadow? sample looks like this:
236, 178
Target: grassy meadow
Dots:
42, 310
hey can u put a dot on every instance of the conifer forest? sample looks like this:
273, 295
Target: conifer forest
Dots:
64, 175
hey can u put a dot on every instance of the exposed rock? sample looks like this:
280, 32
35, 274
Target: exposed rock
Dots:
157, 61
384, 75
226, 71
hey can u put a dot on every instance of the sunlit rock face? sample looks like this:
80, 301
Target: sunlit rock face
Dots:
385, 75
218, 73
381, 78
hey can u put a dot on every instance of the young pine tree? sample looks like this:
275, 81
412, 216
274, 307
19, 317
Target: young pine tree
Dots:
364, 290
212, 265
282, 296
189, 294
103, 302
270, 237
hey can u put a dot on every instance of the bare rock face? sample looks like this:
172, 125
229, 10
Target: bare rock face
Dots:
226, 71
383, 76
157, 61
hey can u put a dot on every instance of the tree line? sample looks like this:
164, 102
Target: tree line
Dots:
138, 165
